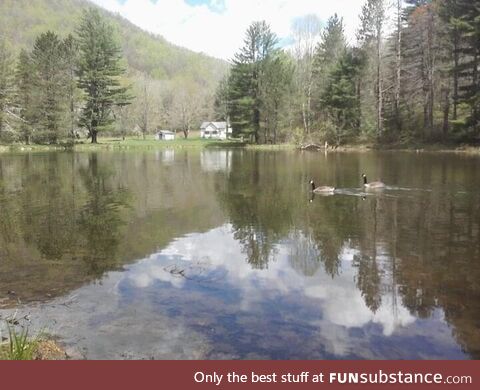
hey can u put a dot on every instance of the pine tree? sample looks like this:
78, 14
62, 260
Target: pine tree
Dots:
276, 87
463, 17
247, 76
49, 87
99, 73
24, 94
341, 99
70, 68
221, 103
329, 50
6, 84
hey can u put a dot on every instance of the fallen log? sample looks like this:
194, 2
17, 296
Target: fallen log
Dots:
312, 147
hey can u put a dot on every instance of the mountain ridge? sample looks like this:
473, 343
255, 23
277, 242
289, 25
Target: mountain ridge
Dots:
21, 21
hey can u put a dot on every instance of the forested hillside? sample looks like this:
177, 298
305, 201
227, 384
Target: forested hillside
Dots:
21, 21
171, 87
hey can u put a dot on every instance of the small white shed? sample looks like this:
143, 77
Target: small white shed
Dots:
165, 135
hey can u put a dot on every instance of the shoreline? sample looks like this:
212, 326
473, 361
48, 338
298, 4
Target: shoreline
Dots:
196, 143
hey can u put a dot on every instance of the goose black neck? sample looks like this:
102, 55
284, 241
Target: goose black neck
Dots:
365, 181
313, 186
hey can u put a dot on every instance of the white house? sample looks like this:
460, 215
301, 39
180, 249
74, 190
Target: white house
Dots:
165, 135
215, 130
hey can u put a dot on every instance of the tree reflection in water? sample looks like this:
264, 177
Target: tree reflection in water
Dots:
68, 219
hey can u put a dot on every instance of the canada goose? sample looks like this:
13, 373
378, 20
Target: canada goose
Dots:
376, 185
322, 190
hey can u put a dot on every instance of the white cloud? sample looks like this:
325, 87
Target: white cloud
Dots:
219, 249
204, 28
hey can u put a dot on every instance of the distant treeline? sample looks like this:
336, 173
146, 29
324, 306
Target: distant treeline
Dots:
417, 84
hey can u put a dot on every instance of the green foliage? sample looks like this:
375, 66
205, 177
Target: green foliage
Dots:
6, 85
276, 87
98, 73
21, 21
48, 85
247, 77
327, 53
21, 347
221, 103
45, 89
330, 48
24, 94
463, 20
341, 99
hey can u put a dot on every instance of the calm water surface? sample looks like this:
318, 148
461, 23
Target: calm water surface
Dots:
223, 254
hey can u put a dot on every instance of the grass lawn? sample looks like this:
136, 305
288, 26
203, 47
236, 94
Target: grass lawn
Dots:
117, 143
150, 142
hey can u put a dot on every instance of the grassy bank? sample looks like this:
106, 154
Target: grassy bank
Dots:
111, 143
195, 142
437, 147
21, 346
38, 350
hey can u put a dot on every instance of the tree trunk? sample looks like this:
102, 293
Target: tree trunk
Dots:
446, 113
304, 116
432, 64
476, 119
398, 67
94, 137
256, 124
456, 60
380, 96
275, 125
379, 82
309, 108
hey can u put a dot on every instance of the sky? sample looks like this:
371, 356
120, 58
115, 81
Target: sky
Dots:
217, 27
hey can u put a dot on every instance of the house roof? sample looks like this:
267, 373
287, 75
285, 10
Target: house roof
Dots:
217, 125
166, 132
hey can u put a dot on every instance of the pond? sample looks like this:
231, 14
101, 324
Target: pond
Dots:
225, 254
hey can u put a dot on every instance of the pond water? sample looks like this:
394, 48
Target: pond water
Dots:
224, 254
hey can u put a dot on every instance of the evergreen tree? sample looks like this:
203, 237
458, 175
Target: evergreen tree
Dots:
24, 94
221, 103
247, 76
463, 18
329, 50
6, 84
49, 86
99, 73
341, 98
70, 67
276, 87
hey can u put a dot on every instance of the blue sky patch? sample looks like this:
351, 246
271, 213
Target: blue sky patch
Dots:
214, 5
